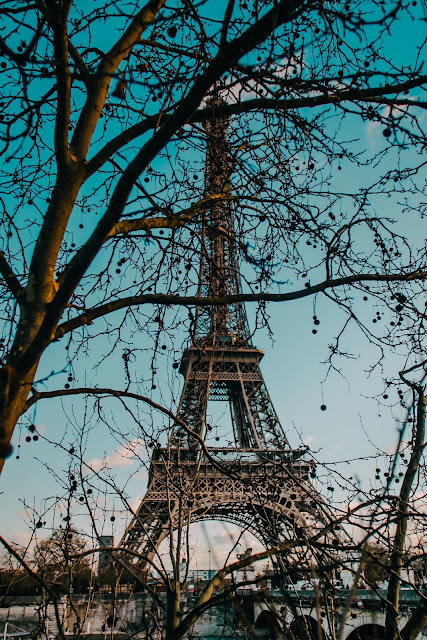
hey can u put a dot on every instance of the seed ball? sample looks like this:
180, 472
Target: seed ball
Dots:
323, 407
112, 518
172, 31
39, 525
385, 396
316, 322
35, 437
175, 365
28, 439
32, 428
314, 331
387, 132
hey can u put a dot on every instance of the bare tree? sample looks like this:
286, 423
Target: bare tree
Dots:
102, 188
103, 199
388, 530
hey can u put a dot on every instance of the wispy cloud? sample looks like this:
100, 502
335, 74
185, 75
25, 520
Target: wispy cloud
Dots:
123, 456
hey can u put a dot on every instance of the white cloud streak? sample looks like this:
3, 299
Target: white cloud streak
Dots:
123, 456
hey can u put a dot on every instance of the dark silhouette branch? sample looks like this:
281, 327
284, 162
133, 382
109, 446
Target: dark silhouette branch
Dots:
9, 277
336, 96
168, 299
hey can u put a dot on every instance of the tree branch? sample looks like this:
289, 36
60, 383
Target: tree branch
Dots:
172, 221
336, 96
9, 277
114, 393
58, 21
100, 83
169, 299
79, 62
254, 35
418, 619
58, 393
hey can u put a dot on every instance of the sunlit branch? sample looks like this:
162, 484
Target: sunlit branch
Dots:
172, 221
110, 62
254, 35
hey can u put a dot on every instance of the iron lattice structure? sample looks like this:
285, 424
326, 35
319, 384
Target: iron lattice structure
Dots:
259, 482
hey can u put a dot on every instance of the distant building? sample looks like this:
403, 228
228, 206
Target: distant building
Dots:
201, 574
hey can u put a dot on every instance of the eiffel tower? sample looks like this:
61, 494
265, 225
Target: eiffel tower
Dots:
257, 482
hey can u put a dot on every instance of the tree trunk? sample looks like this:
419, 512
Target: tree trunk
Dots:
13, 396
391, 631
172, 608
35, 300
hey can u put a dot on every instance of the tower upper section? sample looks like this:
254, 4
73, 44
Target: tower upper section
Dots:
219, 264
